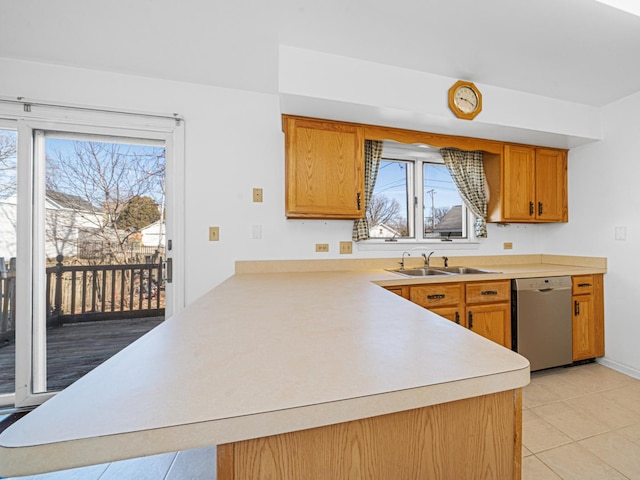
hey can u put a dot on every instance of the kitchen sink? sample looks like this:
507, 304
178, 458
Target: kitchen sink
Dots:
425, 272
464, 270
420, 272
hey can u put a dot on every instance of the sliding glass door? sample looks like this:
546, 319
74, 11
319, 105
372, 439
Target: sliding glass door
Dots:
87, 245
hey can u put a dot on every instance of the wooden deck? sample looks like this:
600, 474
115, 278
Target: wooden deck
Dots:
76, 348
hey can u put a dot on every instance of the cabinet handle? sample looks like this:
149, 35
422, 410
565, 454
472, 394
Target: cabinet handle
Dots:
584, 284
489, 292
436, 296
539, 208
359, 198
470, 320
530, 209
458, 318
576, 308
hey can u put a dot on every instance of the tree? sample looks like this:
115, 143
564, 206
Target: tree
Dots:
382, 210
138, 213
8, 150
107, 177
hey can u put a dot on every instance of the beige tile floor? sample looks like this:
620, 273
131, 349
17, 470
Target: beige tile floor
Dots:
581, 423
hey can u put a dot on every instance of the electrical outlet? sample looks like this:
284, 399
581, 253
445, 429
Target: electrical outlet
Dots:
257, 195
214, 234
322, 247
507, 245
346, 248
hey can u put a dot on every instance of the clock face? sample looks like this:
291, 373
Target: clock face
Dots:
465, 99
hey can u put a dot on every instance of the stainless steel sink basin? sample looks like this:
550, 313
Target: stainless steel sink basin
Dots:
463, 270
425, 272
420, 272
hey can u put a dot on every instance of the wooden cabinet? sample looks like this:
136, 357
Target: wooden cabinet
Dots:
527, 184
488, 310
484, 307
402, 290
588, 316
324, 169
445, 299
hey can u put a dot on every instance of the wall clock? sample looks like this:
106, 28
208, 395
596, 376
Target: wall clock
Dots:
465, 100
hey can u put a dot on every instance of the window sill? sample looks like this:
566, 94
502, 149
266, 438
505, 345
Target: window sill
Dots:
401, 245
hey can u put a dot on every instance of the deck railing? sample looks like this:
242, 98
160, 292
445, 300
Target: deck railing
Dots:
78, 293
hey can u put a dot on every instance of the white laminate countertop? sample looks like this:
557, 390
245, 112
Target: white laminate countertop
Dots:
258, 355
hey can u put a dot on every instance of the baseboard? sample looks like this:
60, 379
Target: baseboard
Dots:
619, 367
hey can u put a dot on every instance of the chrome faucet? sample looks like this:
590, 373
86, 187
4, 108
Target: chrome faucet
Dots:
426, 259
401, 262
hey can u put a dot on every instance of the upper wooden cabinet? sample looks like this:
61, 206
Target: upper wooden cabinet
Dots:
324, 168
527, 184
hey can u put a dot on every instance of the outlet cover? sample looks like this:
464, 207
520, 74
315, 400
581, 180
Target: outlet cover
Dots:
322, 247
257, 195
346, 248
507, 245
214, 234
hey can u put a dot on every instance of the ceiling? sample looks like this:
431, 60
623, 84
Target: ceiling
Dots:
576, 50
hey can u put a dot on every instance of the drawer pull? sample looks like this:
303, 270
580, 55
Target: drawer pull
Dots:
584, 284
489, 292
436, 296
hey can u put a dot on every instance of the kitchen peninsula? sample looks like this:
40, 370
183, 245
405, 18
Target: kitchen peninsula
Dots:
321, 373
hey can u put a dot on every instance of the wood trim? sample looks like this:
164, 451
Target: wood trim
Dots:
517, 435
439, 442
598, 299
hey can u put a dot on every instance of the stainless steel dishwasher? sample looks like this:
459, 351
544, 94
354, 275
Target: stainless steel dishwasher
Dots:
541, 320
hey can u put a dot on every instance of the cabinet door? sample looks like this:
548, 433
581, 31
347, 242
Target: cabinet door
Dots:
324, 169
551, 185
518, 179
584, 331
491, 321
451, 313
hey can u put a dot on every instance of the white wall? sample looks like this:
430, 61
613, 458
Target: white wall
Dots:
603, 194
233, 143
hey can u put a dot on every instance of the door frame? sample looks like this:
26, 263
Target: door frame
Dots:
30, 287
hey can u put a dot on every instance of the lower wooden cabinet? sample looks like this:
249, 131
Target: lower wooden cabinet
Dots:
588, 316
488, 310
484, 307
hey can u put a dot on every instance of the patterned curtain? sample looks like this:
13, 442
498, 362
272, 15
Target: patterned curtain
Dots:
372, 157
467, 172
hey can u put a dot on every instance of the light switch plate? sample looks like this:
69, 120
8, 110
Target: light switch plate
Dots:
257, 195
346, 248
214, 234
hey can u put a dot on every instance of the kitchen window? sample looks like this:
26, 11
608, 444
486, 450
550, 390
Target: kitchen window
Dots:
415, 199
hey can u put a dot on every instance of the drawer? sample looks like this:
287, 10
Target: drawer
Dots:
488, 292
582, 284
402, 290
437, 295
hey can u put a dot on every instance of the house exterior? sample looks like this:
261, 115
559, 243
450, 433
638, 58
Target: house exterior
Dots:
69, 220
153, 235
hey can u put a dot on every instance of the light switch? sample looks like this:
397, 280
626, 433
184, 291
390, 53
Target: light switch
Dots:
621, 233
214, 234
257, 195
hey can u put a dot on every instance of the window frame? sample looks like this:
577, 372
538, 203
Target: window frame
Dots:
416, 223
